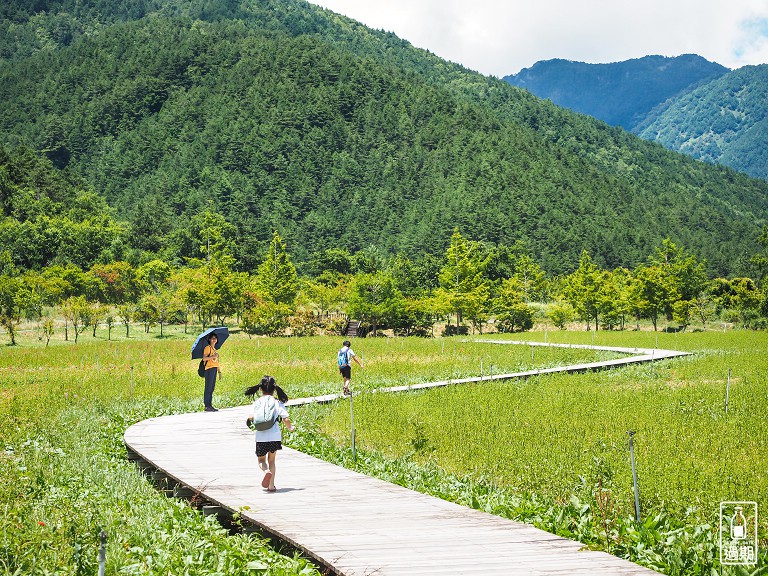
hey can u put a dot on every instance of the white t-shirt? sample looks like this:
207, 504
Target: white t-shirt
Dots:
273, 434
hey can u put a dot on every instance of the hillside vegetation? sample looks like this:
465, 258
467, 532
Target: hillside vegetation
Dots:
281, 116
724, 121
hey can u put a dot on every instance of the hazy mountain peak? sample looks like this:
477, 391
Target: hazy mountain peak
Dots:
619, 93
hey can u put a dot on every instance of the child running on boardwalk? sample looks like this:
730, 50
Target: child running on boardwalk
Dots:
269, 441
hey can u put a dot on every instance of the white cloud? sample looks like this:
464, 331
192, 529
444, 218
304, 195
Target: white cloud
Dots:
500, 37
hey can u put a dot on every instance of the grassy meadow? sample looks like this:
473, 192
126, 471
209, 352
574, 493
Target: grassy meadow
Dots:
536, 446
551, 434
549, 446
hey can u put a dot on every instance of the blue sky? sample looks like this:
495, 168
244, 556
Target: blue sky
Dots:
501, 37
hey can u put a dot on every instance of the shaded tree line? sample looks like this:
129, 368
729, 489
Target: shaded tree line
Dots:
471, 285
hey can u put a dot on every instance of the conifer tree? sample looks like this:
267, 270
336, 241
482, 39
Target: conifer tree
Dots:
653, 290
682, 270
583, 289
276, 278
463, 289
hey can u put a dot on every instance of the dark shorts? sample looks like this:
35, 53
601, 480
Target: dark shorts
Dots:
263, 448
346, 371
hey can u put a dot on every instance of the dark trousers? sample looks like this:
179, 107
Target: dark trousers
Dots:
210, 384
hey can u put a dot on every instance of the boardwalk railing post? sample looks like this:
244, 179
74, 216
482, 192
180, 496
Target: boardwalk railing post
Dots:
634, 475
102, 552
352, 425
352, 418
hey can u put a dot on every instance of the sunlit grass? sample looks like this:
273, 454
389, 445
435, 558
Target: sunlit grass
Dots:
549, 434
63, 409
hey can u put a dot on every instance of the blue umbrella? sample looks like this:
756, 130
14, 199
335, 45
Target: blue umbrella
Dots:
222, 333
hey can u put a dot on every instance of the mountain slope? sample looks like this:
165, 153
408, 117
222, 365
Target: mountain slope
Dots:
619, 93
724, 121
293, 118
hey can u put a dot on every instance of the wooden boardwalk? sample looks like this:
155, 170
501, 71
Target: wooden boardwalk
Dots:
634, 356
353, 524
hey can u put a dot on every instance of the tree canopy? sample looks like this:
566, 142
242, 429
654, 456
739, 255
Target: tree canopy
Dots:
279, 115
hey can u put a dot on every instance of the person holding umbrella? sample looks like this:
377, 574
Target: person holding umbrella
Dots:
212, 369
206, 347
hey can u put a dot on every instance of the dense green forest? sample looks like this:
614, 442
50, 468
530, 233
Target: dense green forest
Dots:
278, 115
724, 121
65, 257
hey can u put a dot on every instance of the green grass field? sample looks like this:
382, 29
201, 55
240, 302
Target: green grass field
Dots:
63, 409
549, 434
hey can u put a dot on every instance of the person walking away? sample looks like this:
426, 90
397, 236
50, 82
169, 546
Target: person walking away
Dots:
346, 355
212, 370
269, 441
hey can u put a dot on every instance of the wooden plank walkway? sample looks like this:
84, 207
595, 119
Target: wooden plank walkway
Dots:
635, 356
353, 524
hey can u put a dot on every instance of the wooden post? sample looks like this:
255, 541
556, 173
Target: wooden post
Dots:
352, 416
352, 426
102, 552
634, 475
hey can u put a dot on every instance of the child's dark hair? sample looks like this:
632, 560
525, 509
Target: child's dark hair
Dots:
268, 386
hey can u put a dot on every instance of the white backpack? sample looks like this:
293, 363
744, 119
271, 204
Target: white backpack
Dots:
264, 413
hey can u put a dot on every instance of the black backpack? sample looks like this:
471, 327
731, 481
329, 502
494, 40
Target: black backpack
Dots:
201, 369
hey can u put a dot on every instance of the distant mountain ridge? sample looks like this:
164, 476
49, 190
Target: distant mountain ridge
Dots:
619, 93
724, 121
687, 103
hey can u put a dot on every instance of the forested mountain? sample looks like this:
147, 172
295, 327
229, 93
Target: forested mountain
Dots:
724, 121
283, 116
686, 103
619, 93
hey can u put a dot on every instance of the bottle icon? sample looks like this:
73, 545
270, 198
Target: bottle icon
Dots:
738, 525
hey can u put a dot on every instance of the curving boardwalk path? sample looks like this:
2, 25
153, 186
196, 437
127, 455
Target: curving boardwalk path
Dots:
353, 524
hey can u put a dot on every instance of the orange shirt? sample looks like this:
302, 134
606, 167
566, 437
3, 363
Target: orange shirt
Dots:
213, 362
